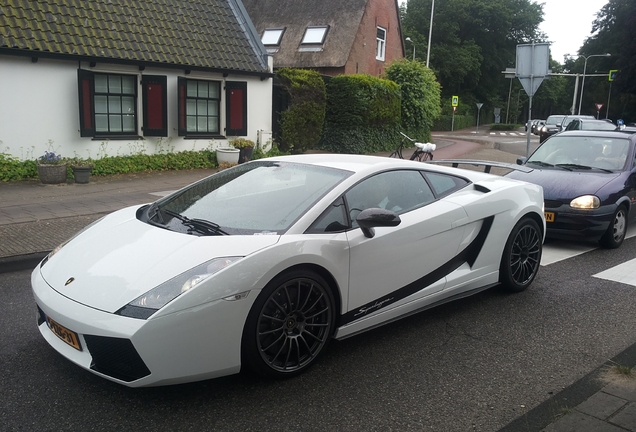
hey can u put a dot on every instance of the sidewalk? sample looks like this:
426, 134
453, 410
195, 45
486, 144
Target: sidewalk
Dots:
35, 218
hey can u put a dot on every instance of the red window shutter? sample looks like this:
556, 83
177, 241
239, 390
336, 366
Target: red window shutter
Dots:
86, 106
155, 105
236, 108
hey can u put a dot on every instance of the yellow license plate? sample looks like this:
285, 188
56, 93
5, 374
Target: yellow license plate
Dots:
68, 336
549, 216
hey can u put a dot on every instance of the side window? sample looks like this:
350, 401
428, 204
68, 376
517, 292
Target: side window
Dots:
398, 191
444, 184
334, 219
380, 46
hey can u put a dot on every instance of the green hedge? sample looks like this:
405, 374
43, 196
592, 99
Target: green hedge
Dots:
362, 116
301, 125
444, 122
503, 126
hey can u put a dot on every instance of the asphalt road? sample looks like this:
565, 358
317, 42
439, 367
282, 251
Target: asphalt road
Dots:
475, 364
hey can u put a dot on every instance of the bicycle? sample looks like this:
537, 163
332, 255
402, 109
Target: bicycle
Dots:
423, 151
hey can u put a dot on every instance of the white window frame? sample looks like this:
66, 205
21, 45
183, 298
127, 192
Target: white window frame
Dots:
380, 46
272, 36
315, 35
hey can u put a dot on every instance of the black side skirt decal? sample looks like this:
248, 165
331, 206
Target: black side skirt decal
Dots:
468, 255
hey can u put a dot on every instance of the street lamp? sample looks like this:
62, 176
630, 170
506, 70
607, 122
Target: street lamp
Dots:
584, 70
430, 34
408, 39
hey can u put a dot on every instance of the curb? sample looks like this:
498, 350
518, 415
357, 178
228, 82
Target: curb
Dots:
21, 262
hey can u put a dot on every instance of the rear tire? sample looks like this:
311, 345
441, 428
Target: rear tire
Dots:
522, 256
615, 233
290, 324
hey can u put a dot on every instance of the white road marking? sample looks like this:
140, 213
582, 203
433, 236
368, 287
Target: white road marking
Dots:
623, 273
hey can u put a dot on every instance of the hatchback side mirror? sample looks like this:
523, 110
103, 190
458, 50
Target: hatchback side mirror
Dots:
521, 160
376, 217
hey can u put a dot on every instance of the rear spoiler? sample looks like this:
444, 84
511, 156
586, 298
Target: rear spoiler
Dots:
488, 165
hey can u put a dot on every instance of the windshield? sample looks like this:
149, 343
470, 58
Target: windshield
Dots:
256, 197
575, 152
553, 120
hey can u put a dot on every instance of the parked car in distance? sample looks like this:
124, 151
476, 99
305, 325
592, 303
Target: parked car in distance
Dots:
590, 124
557, 123
533, 124
589, 184
259, 266
536, 127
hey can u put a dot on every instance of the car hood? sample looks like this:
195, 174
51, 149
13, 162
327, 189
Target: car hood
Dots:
561, 184
120, 258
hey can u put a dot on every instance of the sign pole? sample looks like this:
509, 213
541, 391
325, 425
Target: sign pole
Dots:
453, 120
609, 94
479, 105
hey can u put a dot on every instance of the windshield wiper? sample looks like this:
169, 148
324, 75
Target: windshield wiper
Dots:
199, 225
540, 163
571, 165
154, 211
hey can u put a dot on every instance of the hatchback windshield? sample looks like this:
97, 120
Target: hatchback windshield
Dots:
253, 198
554, 120
575, 152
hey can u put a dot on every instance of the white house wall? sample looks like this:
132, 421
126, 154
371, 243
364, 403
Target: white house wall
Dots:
39, 110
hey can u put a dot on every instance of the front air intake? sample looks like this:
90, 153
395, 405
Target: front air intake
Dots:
116, 358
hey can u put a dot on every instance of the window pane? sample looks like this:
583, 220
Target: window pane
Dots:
314, 35
191, 124
101, 83
192, 89
101, 104
202, 107
213, 124
114, 104
128, 85
202, 124
114, 84
191, 107
129, 123
203, 89
214, 90
213, 108
128, 105
381, 33
101, 123
272, 37
115, 123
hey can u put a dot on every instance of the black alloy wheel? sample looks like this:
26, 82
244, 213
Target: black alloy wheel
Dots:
522, 256
289, 325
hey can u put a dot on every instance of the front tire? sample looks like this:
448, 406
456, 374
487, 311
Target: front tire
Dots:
290, 324
615, 233
522, 256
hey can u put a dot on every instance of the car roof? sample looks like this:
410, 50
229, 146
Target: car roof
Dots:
599, 133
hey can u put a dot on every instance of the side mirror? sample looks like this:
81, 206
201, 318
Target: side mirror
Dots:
521, 160
376, 217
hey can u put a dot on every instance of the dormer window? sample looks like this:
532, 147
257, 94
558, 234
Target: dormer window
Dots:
315, 35
272, 37
380, 47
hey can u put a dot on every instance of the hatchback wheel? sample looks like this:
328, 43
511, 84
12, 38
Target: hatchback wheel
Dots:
615, 233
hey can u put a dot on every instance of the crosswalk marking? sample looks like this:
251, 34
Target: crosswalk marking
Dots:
623, 273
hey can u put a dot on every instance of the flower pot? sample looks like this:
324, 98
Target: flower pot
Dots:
227, 155
82, 173
52, 174
245, 154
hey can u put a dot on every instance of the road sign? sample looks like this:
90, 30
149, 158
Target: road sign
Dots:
612, 75
599, 106
532, 65
455, 101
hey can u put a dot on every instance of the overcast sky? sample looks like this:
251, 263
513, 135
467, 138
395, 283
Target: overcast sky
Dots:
566, 22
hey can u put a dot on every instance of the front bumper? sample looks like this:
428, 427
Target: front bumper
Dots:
190, 345
579, 224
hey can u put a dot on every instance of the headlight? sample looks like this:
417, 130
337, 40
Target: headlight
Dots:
544, 129
149, 303
586, 202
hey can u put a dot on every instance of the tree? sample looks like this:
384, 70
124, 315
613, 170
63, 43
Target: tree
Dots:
473, 41
614, 31
420, 97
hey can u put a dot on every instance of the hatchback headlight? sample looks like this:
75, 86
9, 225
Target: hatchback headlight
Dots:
544, 129
149, 303
586, 202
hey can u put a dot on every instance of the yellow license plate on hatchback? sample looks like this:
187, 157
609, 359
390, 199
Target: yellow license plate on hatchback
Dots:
549, 216
68, 336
